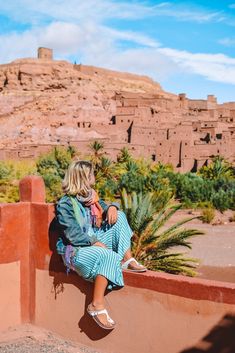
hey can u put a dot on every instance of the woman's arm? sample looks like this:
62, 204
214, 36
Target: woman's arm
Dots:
73, 232
110, 211
106, 206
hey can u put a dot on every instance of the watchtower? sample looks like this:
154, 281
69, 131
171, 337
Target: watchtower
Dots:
45, 53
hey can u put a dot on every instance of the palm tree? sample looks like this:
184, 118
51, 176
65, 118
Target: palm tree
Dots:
105, 169
218, 168
124, 156
153, 244
97, 149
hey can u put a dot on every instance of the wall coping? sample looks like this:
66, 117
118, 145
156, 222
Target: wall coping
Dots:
183, 286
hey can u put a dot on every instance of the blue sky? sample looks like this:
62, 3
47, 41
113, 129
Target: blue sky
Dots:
186, 46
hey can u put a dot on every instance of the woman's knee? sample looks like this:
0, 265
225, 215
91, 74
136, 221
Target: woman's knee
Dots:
121, 216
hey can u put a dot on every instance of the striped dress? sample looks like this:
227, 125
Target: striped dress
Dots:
90, 261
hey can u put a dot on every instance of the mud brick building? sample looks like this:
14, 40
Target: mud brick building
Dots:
46, 103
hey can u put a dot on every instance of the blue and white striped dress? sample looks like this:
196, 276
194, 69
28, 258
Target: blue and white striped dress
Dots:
90, 261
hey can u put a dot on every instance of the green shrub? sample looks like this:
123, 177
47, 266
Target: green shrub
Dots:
221, 200
9, 191
191, 188
218, 168
6, 170
207, 215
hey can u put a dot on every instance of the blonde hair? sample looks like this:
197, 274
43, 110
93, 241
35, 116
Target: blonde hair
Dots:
77, 178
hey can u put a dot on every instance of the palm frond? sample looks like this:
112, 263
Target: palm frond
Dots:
163, 216
177, 226
178, 238
151, 246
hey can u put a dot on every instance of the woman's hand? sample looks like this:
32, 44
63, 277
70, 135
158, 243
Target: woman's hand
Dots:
98, 243
112, 215
98, 222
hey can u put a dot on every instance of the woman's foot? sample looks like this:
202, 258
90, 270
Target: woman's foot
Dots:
101, 316
133, 265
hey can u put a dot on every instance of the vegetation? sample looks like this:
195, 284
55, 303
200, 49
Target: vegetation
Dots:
150, 193
213, 184
218, 169
10, 174
154, 244
207, 215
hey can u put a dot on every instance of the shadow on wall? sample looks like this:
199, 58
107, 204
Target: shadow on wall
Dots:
58, 271
221, 339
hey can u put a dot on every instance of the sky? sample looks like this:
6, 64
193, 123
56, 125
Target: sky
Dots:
186, 46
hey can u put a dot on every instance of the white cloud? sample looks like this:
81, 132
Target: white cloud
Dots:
213, 67
35, 12
96, 44
183, 12
87, 39
228, 42
134, 37
82, 34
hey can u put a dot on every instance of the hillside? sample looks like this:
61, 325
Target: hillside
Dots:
44, 103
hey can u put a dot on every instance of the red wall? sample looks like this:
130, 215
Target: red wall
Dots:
28, 236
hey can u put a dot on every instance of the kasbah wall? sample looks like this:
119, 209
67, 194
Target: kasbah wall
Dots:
45, 103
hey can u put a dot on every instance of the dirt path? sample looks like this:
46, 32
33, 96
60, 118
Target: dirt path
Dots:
215, 249
31, 339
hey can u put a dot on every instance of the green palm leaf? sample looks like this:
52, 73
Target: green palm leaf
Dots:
150, 245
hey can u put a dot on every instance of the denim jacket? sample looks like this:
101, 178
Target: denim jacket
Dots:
73, 233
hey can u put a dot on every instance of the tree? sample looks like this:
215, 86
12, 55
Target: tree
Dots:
218, 168
124, 156
154, 244
106, 183
97, 153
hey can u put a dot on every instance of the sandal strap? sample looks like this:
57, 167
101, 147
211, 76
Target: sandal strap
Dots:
103, 311
126, 263
97, 312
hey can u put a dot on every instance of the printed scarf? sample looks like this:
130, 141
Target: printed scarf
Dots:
92, 201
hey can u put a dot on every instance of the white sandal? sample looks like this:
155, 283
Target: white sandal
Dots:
94, 313
125, 266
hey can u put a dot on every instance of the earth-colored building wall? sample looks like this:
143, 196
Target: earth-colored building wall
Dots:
92, 70
152, 126
137, 118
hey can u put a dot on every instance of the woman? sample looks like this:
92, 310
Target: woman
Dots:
95, 238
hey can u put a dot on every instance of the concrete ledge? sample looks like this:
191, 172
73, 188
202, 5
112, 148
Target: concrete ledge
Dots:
194, 288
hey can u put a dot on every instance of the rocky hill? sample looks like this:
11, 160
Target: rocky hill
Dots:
44, 103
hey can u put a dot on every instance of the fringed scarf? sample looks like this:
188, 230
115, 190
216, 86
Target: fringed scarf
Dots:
92, 201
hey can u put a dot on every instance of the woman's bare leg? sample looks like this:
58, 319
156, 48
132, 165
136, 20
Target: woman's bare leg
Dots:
100, 286
127, 255
99, 289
